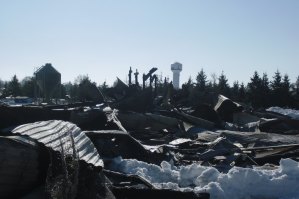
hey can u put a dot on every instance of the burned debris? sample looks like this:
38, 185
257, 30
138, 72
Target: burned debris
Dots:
69, 151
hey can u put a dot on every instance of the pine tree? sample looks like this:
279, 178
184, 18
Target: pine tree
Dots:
14, 86
276, 84
265, 82
286, 86
223, 87
255, 90
235, 90
255, 82
265, 91
201, 80
242, 93
277, 90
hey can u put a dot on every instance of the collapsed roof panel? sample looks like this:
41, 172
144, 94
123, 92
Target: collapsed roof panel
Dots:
226, 107
63, 137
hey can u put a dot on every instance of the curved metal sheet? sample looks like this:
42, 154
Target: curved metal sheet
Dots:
64, 137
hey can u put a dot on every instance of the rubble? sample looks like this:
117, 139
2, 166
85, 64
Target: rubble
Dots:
63, 137
67, 146
114, 143
135, 145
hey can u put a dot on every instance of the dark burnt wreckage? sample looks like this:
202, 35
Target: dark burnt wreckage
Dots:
66, 151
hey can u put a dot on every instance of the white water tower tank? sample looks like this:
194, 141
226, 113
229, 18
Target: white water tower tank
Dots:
176, 68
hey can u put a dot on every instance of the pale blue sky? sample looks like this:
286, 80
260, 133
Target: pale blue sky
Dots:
104, 38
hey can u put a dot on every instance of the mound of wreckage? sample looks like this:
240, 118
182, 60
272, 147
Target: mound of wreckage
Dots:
68, 151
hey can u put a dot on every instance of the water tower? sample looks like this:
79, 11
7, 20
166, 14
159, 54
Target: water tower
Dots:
176, 68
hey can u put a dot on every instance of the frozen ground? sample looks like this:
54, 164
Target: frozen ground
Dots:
289, 112
238, 183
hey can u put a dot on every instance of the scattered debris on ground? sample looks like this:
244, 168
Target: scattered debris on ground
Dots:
136, 144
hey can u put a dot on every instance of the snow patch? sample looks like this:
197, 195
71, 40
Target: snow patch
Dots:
289, 112
238, 183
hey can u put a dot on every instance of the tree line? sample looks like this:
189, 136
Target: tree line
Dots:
259, 92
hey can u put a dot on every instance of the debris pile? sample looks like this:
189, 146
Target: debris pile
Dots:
136, 144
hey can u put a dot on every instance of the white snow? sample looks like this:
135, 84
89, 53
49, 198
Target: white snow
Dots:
289, 112
239, 183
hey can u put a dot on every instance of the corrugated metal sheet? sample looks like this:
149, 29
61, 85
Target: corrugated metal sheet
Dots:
19, 166
64, 137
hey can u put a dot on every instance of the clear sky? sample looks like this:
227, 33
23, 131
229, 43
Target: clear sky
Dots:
104, 38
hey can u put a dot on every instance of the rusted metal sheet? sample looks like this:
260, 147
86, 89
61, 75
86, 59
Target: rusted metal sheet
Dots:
63, 137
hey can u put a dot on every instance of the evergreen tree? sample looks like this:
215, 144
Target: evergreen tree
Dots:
14, 87
201, 80
255, 82
235, 90
265, 82
276, 84
277, 90
286, 87
223, 87
265, 91
255, 90
242, 93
